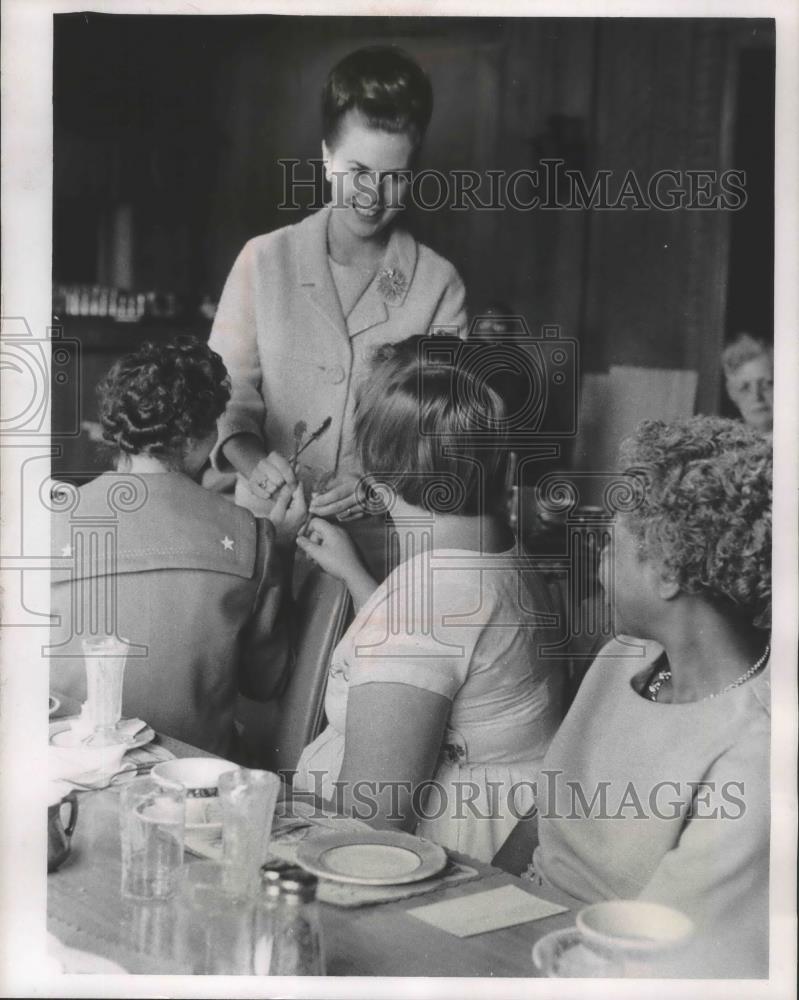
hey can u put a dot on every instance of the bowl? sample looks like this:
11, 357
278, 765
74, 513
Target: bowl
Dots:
199, 776
566, 954
633, 925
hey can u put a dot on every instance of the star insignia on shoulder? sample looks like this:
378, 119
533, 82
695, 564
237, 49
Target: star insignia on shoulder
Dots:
66, 551
227, 543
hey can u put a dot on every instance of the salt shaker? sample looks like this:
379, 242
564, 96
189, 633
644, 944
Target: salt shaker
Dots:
271, 874
296, 928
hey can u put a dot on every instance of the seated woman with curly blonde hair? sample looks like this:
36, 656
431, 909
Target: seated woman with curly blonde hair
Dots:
656, 786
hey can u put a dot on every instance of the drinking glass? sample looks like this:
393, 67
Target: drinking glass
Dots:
105, 669
215, 922
152, 816
248, 806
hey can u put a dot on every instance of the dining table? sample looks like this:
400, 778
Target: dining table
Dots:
86, 911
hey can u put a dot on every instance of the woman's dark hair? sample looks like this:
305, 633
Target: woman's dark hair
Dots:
421, 424
385, 85
155, 399
705, 509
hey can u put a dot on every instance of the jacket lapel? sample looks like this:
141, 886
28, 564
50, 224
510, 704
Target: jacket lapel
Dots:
313, 271
389, 288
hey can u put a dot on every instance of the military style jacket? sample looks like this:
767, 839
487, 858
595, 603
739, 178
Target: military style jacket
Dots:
194, 583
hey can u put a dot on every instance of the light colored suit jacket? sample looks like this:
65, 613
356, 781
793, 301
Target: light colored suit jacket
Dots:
292, 355
192, 581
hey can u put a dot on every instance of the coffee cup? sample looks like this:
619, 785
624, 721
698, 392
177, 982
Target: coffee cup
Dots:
59, 833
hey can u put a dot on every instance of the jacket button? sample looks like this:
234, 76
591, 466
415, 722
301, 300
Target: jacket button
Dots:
337, 375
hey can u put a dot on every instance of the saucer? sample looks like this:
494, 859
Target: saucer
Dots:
62, 734
566, 954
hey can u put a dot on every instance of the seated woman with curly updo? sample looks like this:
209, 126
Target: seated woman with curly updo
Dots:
441, 700
196, 584
656, 786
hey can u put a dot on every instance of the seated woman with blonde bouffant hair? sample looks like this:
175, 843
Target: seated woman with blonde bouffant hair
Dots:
441, 702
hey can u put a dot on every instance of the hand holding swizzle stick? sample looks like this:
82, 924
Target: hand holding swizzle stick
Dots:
320, 430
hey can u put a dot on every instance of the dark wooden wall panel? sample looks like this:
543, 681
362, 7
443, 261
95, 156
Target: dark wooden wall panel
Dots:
186, 119
656, 280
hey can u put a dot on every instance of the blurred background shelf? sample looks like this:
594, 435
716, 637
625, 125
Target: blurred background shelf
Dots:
169, 132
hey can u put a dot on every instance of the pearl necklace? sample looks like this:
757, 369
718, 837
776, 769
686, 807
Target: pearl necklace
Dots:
664, 674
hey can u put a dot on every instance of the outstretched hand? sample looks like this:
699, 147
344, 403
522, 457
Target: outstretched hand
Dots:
331, 548
339, 499
269, 475
288, 513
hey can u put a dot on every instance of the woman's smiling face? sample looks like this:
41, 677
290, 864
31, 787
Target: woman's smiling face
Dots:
751, 388
369, 171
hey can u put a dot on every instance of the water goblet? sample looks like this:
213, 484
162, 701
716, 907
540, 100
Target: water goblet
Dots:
105, 657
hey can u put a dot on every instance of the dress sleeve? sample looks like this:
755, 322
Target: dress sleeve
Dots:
401, 639
234, 337
451, 310
718, 873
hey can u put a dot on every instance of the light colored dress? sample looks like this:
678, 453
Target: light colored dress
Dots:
468, 627
664, 802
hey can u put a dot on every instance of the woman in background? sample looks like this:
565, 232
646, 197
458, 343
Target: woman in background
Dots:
196, 584
657, 783
441, 675
305, 306
748, 365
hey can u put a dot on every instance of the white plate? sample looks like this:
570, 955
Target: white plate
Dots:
62, 735
566, 954
55, 704
377, 857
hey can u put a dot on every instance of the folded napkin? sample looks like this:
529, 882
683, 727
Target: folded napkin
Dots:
89, 764
486, 911
64, 763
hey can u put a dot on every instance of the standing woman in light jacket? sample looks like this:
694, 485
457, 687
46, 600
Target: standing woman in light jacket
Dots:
305, 306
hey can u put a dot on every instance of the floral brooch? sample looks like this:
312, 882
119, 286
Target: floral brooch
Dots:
391, 284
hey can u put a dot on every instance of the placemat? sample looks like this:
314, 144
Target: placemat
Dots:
288, 832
